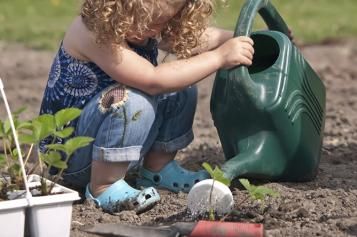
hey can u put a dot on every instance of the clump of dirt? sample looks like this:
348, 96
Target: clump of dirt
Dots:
326, 206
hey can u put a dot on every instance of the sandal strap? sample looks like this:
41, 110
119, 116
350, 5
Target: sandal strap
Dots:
172, 177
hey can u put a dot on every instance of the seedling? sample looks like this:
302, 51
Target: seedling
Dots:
8, 156
255, 192
217, 175
53, 128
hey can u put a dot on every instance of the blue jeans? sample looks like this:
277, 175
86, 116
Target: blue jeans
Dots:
126, 123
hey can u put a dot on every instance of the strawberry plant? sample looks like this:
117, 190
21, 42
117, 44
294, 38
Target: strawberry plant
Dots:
255, 192
54, 128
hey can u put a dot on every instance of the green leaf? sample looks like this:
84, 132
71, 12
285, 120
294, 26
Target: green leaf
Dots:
54, 159
7, 126
43, 126
64, 116
246, 184
216, 174
25, 125
75, 143
2, 161
219, 176
1, 129
56, 147
14, 153
261, 192
258, 192
27, 139
19, 111
208, 168
65, 132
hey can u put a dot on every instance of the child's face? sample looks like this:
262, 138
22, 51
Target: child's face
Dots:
169, 10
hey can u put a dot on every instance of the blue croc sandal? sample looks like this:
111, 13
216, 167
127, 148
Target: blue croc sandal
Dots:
172, 177
121, 196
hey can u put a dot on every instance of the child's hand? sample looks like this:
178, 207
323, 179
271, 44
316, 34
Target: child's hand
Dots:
236, 51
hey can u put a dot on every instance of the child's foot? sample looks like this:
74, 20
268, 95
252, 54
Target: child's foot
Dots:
172, 177
120, 196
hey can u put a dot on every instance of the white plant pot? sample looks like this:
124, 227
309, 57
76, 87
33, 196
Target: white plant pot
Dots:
50, 215
12, 217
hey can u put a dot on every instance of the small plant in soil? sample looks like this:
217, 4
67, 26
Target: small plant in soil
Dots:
217, 175
258, 193
255, 192
53, 128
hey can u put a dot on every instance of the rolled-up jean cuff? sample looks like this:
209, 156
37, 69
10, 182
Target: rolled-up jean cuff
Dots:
125, 154
174, 144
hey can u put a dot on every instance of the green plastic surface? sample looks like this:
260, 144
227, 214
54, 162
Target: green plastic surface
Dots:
270, 117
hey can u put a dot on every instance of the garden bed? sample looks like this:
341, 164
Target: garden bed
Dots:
326, 206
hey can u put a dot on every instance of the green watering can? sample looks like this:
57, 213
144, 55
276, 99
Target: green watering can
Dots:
270, 117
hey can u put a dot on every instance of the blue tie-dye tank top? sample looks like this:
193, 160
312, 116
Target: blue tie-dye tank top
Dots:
72, 82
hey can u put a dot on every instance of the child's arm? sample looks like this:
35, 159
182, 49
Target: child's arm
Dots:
128, 68
211, 39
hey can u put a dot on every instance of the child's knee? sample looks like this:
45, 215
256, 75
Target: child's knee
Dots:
118, 96
113, 98
131, 113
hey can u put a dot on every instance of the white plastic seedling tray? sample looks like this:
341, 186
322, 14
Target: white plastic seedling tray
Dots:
12, 217
47, 215
51, 215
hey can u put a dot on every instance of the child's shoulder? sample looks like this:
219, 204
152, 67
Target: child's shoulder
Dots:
78, 39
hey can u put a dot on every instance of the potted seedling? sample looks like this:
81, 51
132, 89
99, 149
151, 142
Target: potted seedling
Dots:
12, 201
51, 204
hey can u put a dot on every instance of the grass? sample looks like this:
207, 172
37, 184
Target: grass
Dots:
36, 23
310, 21
41, 23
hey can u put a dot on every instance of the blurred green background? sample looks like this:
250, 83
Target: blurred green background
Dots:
41, 23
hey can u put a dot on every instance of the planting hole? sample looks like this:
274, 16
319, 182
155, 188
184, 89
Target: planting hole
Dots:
186, 185
196, 181
147, 196
175, 185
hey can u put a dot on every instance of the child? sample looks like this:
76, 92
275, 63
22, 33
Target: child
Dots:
133, 107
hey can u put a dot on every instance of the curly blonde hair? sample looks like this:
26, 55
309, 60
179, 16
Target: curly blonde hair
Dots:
111, 20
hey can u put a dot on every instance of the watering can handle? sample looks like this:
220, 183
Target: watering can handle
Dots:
266, 10
244, 25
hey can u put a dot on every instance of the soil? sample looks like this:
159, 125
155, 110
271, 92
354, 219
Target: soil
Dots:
326, 206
